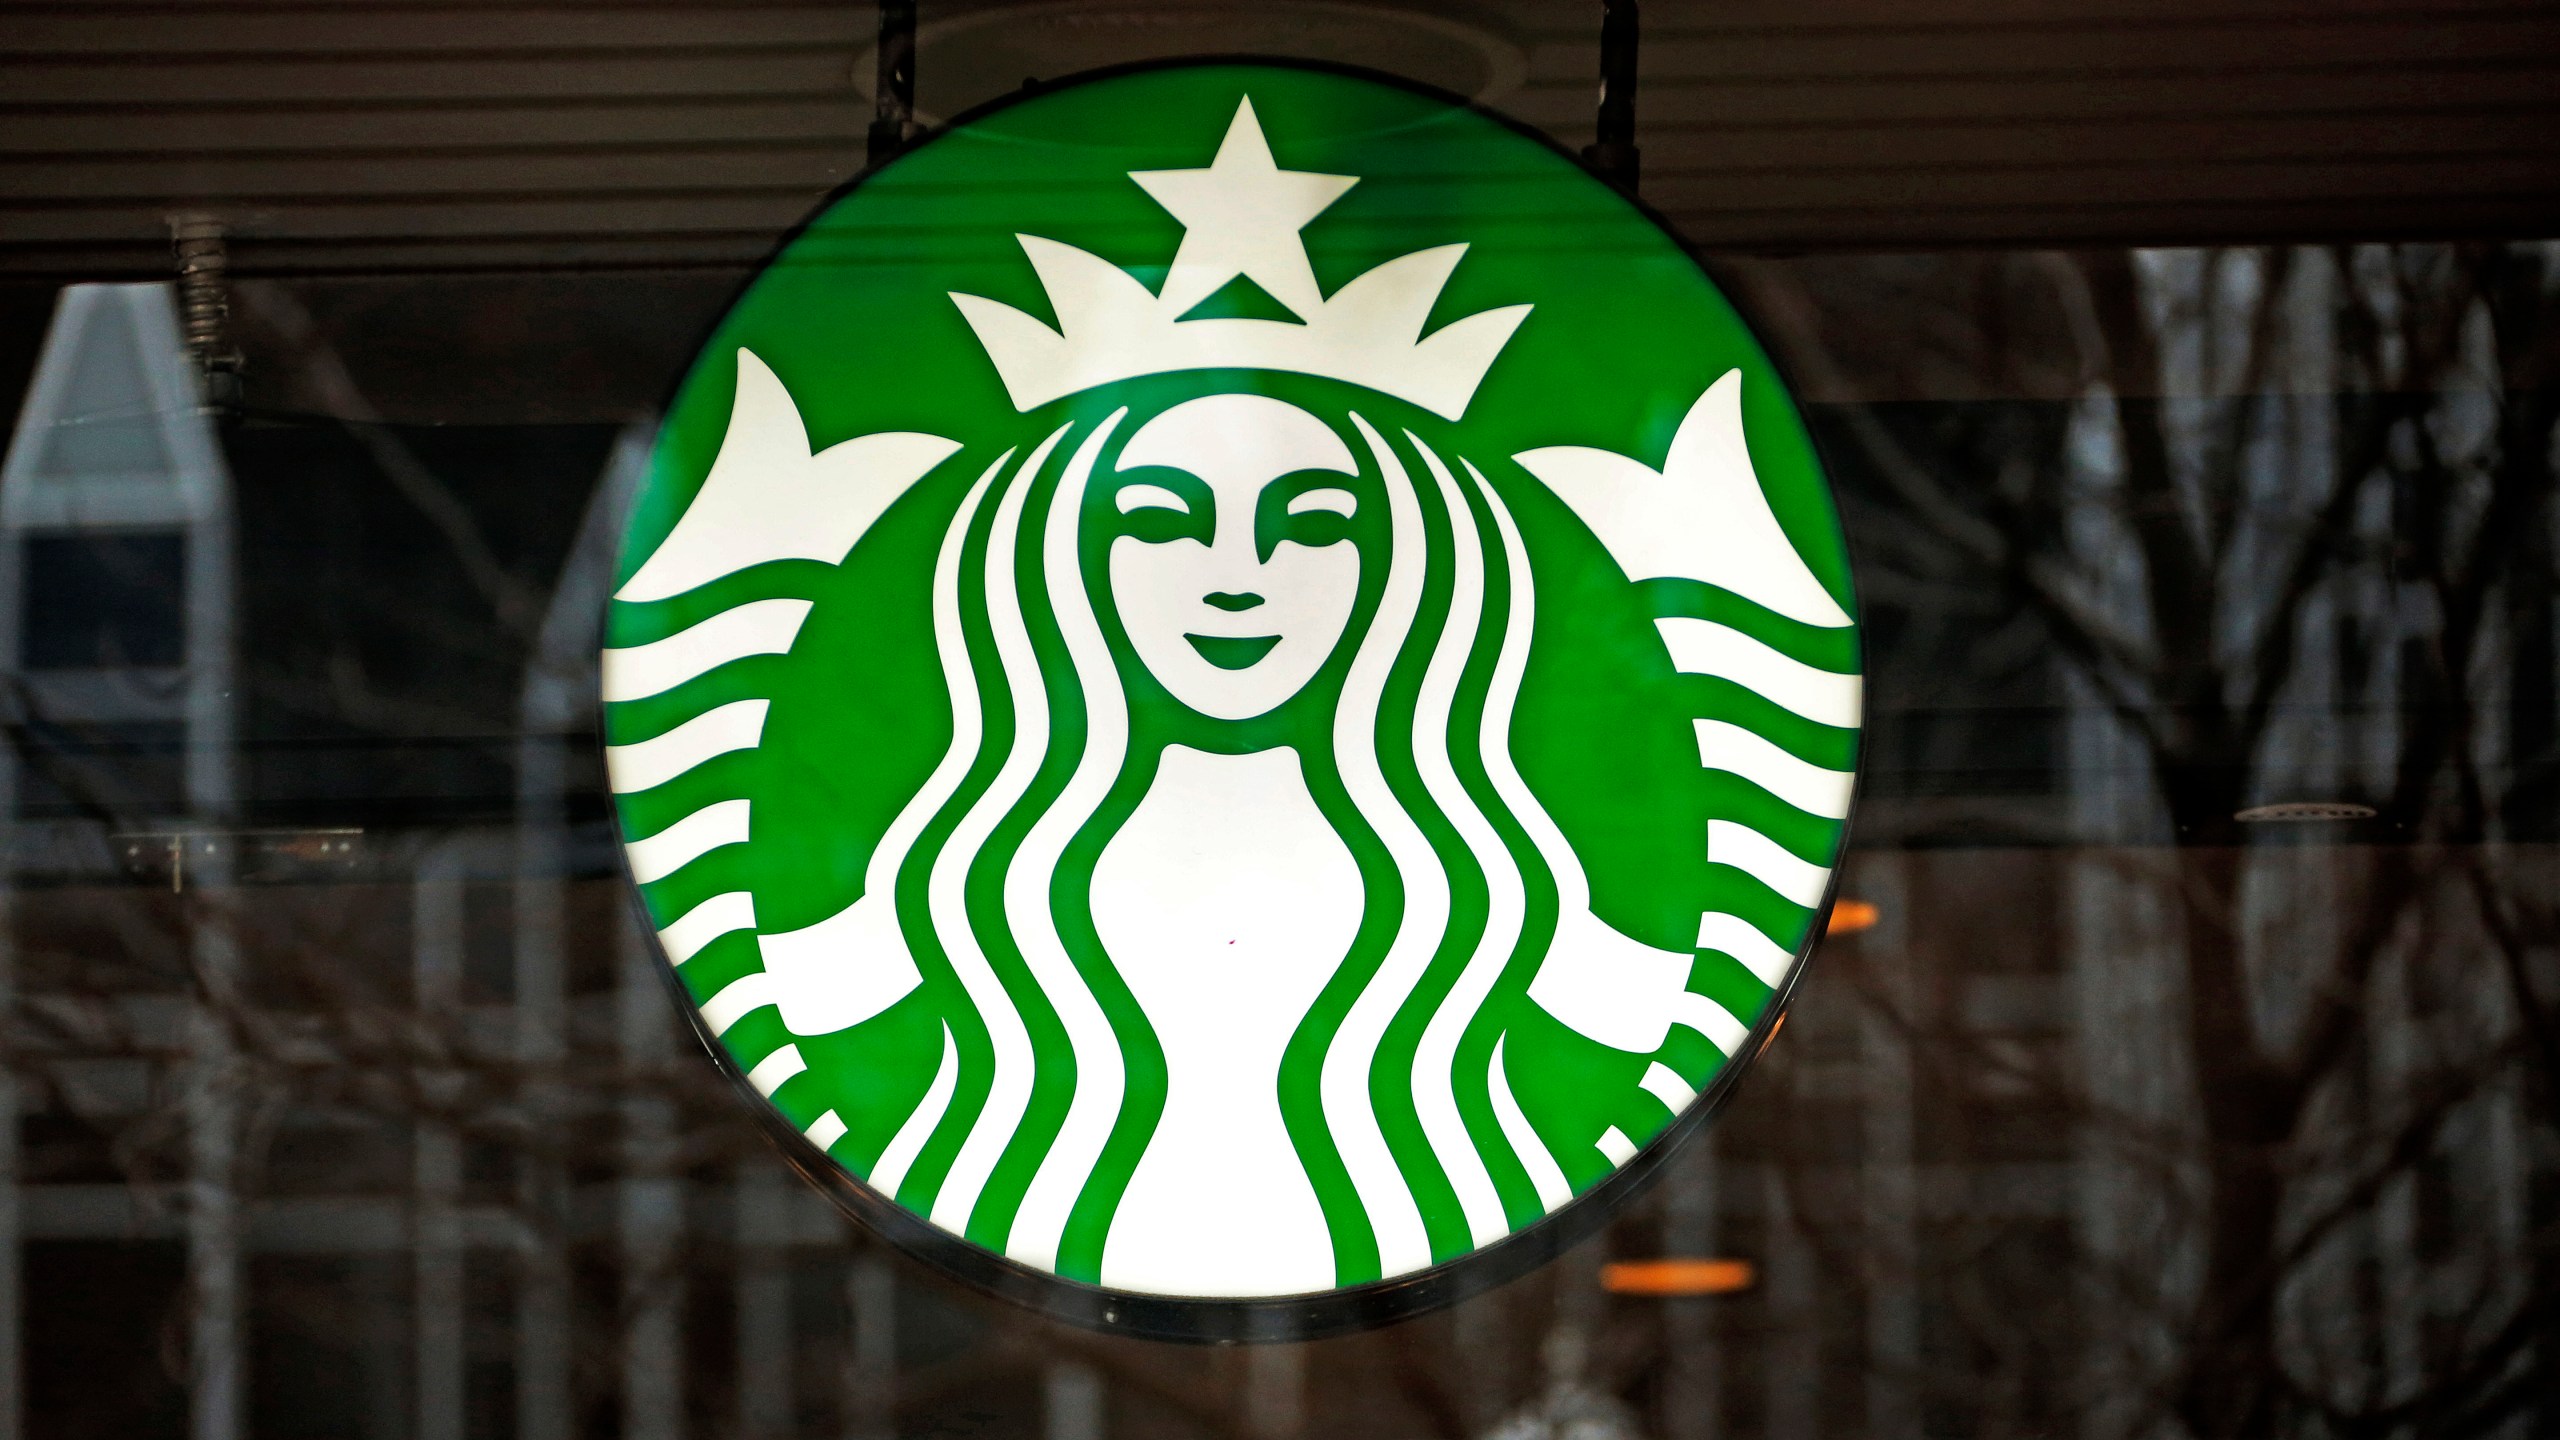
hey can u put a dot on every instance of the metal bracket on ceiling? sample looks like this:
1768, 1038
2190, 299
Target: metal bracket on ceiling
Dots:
1613, 155
204, 307
893, 114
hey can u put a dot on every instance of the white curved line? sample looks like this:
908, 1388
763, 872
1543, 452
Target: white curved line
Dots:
1009, 1087
737, 1000
1704, 1015
645, 764
826, 1130
959, 681
1745, 849
720, 915
776, 1068
860, 961
1101, 1071
1703, 647
759, 627
1545, 1176
1743, 941
1614, 1143
687, 840
1403, 1243
908, 1143
1573, 888
1811, 788
1664, 1084
1435, 1060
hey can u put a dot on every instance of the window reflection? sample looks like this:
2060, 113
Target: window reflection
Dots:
351, 1102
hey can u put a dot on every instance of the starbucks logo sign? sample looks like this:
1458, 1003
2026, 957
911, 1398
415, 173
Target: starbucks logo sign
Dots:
1231, 686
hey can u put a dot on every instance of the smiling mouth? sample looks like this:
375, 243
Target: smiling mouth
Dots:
1233, 652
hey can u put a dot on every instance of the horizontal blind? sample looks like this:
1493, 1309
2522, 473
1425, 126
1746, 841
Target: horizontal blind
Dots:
390, 134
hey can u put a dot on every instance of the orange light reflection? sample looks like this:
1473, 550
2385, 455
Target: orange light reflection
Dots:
1848, 917
1668, 1279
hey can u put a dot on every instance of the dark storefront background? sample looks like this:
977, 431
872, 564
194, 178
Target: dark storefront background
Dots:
2188, 376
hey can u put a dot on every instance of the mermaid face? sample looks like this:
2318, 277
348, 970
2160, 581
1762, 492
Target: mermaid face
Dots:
1236, 575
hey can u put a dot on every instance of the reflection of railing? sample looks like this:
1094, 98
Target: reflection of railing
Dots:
245, 856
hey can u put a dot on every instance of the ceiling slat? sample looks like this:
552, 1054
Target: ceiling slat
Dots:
341, 31
251, 80
2267, 47
144, 136
485, 132
2381, 154
1751, 104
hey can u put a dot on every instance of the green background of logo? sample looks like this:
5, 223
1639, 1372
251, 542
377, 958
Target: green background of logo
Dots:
853, 315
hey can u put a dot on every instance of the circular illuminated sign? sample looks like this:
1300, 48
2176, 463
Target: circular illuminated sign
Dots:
1233, 690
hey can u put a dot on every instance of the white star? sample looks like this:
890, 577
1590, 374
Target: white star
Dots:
1241, 217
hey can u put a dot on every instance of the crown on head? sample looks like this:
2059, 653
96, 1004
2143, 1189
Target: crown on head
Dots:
1241, 216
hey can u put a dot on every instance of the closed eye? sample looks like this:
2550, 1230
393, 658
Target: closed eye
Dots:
1150, 497
1328, 500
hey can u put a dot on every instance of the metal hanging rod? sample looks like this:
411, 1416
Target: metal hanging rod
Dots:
893, 114
1613, 155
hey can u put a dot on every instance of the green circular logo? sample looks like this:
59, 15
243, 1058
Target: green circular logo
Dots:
1230, 682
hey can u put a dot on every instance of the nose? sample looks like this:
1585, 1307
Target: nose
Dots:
1232, 600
